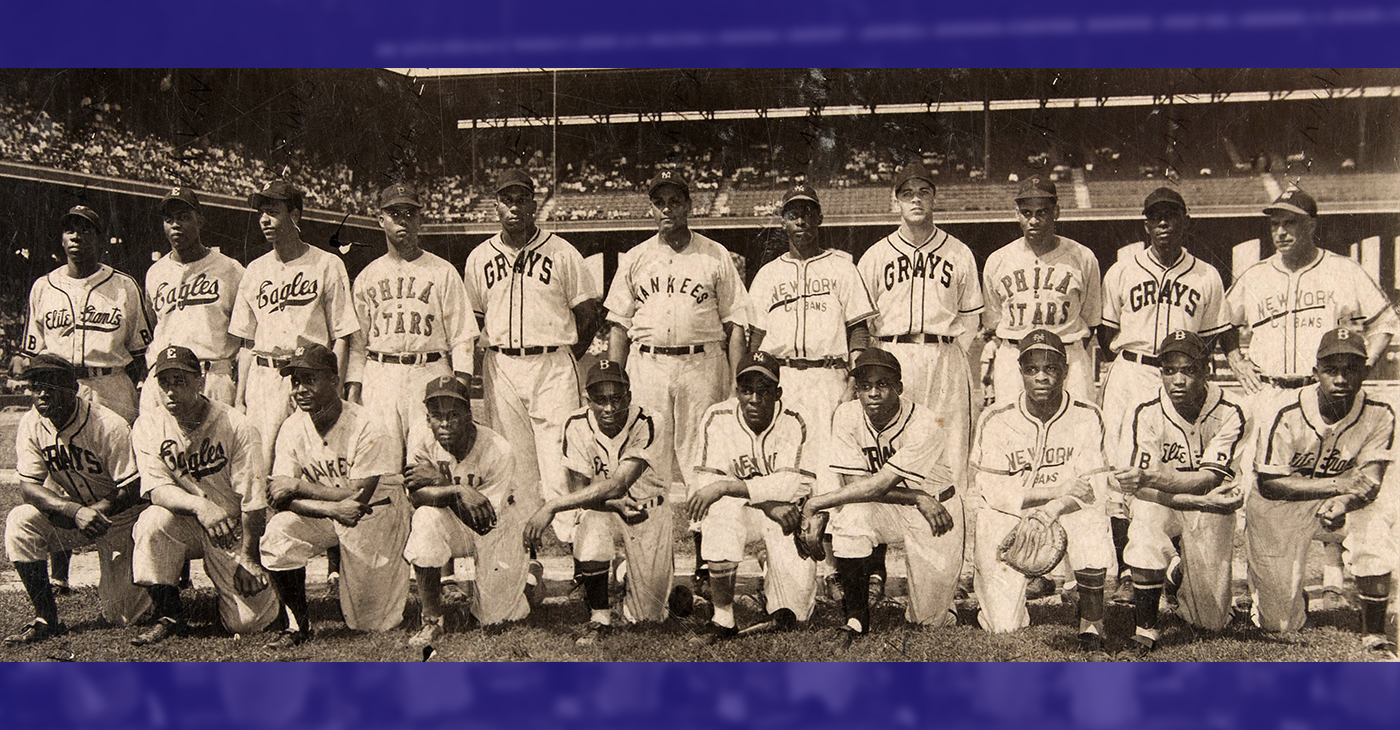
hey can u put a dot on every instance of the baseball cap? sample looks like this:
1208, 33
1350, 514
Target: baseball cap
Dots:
86, 213
913, 171
447, 386
1341, 341
1036, 186
758, 362
176, 358
801, 192
1041, 340
512, 178
668, 177
1189, 344
1163, 196
398, 194
874, 357
182, 195
275, 190
49, 363
311, 357
1294, 201
606, 371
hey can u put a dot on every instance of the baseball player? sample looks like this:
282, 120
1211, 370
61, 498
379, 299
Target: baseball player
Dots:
201, 467
1041, 281
753, 469
1042, 452
608, 453
897, 486
92, 316
462, 483
1320, 461
1183, 478
1146, 295
78, 479
192, 290
294, 295
415, 321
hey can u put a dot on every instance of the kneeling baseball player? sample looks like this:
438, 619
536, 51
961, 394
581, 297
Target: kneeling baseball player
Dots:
1184, 466
462, 483
897, 486
328, 484
608, 454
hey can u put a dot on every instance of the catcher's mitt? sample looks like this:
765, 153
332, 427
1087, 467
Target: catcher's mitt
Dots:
809, 537
1036, 546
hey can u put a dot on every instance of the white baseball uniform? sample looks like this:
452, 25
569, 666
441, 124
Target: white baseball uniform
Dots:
85, 460
674, 305
438, 535
1012, 452
374, 577
592, 454
219, 460
1059, 291
916, 448
526, 299
99, 323
777, 466
282, 305
1298, 442
193, 303
1214, 441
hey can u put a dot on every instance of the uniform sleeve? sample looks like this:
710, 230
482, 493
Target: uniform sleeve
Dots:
458, 321
145, 443
710, 462
340, 311
579, 281
286, 461
1222, 452
870, 279
855, 297
991, 296
761, 303
471, 281
620, 303
1377, 312
1214, 317
1380, 442
970, 300
919, 459
1092, 311
641, 440
33, 321
118, 456
846, 455
247, 471
1146, 440
375, 452
244, 322
1274, 454
1235, 313
1112, 294
733, 303
138, 335
576, 448
29, 455
1001, 489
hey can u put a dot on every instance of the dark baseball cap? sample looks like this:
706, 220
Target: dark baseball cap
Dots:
1041, 340
448, 386
398, 194
276, 190
1294, 201
1341, 341
606, 371
1189, 344
54, 367
913, 171
874, 357
1035, 187
86, 213
1163, 196
176, 358
180, 195
514, 177
801, 192
668, 177
311, 357
758, 362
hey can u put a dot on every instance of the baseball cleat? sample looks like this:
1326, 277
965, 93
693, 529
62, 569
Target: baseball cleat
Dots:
1092, 645
877, 588
288, 639
1378, 644
848, 636
534, 584
592, 634
1039, 588
428, 636
712, 633
34, 632
333, 579
1123, 594
1330, 598
1137, 650
61, 587
162, 630
681, 602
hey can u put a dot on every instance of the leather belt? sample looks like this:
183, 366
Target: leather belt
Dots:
828, 362
271, 362
518, 351
1298, 381
919, 338
1017, 343
409, 358
681, 350
86, 372
1148, 360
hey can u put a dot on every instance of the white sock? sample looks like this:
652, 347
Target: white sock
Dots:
602, 616
1090, 627
1153, 634
724, 616
855, 625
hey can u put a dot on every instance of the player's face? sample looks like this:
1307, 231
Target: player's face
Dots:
878, 389
1184, 379
515, 207
609, 403
758, 397
801, 219
180, 391
1165, 225
1291, 232
400, 224
182, 225
915, 199
80, 240
313, 390
671, 207
278, 221
53, 398
1043, 375
1037, 217
450, 419
1339, 376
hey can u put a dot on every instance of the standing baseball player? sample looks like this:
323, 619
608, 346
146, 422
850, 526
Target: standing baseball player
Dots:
328, 483
897, 486
612, 487
1041, 456
78, 479
1041, 281
1182, 476
201, 467
192, 290
1320, 462
294, 295
92, 316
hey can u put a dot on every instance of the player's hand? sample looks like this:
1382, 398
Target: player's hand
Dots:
249, 578
1224, 499
281, 490
1355, 482
1246, 372
1129, 481
421, 474
91, 523
1333, 511
699, 503
935, 513
1080, 489
347, 511
475, 510
786, 514
352, 393
628, 508
221, 524
535, 527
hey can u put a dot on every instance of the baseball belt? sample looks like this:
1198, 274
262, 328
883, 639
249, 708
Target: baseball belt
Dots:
271, 362
1297, 381
918, 339
1148, 360
518, 351
682, 350
1017, 343
83, 372
408, 358
826, 362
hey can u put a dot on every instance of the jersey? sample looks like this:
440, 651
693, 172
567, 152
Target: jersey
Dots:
910, 445
1162, 439
415, 306
1010, 446
1059, 291
1287, 312
220, 460
1145, 300
805, 306
775, 464
526, 297
669, 298
488, 466
1299, 442
193, 303
356, 447
284, 304
88, 458
593, 454
926, 288
100, 321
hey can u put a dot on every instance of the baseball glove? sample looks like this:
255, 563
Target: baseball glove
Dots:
1036, 546
809, 537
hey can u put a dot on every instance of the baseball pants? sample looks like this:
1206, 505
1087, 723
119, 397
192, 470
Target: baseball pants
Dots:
220, 384
676, 390
937, 375
932, 563
1207, 543
528, 398
436, 536
373, 575
165, 540
789, 581
269, 401
30, 535
1006, 372
1126, 385
394, 393
648, 548
1002, 591
814, 394
115, 391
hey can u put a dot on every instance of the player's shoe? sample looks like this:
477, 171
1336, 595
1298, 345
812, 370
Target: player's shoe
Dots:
160, 631
1137, 650
848, 635
61, 587
1330, 598
592, 634
681, 602
830, 591
288, 639
1379, 645
34, 632
534, 584
1038, 588
782, 619
877, 589
701, 583
712, 633
1092, 645
333, 580
428, 636
1123, 594
754, 603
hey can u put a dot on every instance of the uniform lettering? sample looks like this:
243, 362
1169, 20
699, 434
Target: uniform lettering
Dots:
209, 458
298, 292
1173, 294
746, 466
91, 319
931, 267
71, 458
197, 292
530, 264
1329, 465
685, 286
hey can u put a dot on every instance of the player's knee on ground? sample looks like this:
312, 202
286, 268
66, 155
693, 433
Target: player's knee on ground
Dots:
429, 542
24, 534
158, 555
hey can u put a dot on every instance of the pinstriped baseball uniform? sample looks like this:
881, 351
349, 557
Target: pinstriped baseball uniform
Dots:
193, 303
